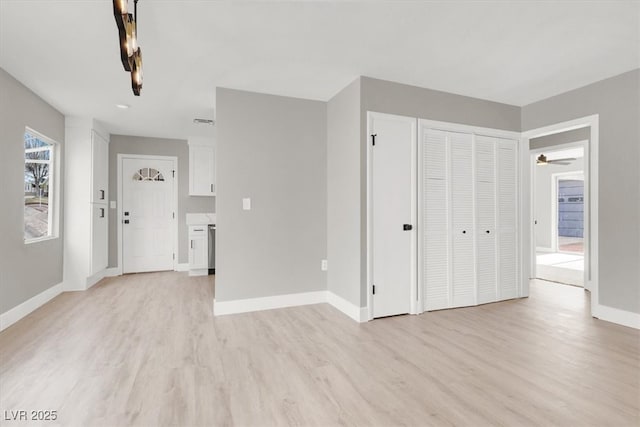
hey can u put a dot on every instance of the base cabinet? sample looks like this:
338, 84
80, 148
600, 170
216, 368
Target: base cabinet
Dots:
198, 250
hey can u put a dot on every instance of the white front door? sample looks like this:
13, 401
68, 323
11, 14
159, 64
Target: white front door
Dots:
147, 213
393, 213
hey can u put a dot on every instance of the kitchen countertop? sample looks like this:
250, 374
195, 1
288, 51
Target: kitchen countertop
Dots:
201, 218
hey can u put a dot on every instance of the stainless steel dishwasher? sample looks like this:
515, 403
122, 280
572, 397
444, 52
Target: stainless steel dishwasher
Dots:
212, 249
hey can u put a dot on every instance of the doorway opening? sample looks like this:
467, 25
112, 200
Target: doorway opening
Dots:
581, 132
559, 214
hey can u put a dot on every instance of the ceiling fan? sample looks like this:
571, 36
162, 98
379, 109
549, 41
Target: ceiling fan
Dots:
542, 161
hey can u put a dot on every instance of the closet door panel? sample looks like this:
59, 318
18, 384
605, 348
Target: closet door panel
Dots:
485, 171
463, 271
485, 195
486, 269
469, 214
436, 220
462, 201
461, 176
508, 271
507, 205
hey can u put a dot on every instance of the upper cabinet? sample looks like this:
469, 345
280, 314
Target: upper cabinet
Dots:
86, 211
99, 168
202, 167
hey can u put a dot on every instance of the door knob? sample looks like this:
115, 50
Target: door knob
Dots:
464, 231
407, 227
488, 232
126, 221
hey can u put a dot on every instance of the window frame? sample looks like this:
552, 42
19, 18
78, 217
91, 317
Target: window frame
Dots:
54, 188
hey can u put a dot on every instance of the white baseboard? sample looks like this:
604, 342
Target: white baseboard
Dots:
92, 280
221, 308
112, 272
182, 267
10, 317
199, 272
615, 315
543, 249
353, 311
358, 314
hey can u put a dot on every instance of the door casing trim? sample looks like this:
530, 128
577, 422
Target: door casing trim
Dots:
591, 169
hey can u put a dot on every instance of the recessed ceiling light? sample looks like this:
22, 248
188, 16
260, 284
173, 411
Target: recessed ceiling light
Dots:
122, 106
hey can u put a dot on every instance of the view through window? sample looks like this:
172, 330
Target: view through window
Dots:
38, 170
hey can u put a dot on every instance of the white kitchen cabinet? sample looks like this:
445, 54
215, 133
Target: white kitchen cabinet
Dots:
99, 168
99, 238
86, 206
202, 169
198, 250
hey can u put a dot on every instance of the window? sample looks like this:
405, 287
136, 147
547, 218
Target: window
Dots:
39, 189
148, 174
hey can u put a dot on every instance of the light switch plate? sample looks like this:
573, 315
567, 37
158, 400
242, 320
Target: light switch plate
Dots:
324, 265
112, 204
246, 204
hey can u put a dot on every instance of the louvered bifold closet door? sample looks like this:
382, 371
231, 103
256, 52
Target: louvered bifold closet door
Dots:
485, 182
463, 290
435, 243
507, 219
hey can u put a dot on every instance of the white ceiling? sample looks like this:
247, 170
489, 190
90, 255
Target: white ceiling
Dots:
514, 52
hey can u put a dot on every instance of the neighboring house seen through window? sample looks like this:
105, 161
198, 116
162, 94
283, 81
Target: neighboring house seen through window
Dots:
39, 170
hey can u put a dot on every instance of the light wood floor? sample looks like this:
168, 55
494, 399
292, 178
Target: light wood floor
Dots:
145, 350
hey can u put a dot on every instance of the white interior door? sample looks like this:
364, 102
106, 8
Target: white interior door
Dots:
393, 213
147, 214
463, 290
435, 219
485, 194
507, 204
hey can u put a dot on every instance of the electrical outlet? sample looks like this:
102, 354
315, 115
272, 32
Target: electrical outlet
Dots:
324, 265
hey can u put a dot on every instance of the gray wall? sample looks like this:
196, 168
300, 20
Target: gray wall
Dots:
395, 98
343, 193
617, 101
582, 134
25, 270
543, 183
122, 144
273, 150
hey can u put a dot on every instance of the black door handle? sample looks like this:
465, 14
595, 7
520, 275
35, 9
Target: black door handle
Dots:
488, 232
464, 231
126, 221
407, 227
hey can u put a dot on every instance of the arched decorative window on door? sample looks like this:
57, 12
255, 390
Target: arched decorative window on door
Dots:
148, 174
